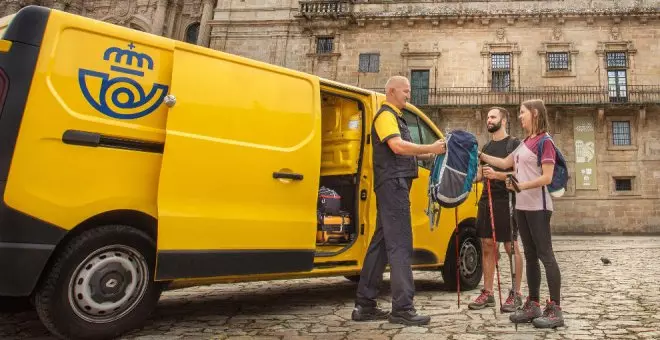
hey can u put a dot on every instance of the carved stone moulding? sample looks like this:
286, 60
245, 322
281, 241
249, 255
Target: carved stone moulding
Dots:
510, 18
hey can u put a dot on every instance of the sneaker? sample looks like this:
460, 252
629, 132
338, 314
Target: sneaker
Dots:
530, 311
485, 299
552, 317
409, 318
361, 313
513, 302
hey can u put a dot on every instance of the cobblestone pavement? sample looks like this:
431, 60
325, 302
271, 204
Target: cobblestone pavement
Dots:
618, 301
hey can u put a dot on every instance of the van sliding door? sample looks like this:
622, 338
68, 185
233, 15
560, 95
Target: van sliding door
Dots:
240, 172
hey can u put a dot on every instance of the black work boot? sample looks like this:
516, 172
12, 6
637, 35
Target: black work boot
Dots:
361, 313
409, 318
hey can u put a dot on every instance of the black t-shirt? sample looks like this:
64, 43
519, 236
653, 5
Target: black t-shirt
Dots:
498, 149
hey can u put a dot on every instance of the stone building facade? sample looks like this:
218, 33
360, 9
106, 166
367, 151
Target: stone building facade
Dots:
594, 63
185, 20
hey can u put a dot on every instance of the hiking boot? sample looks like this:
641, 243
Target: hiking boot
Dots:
530, 311
552, 317
368, 313
485, 299
512, 302
409, 318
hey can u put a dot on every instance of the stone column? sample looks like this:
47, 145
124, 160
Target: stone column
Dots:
204, 27
159, 17
171, 19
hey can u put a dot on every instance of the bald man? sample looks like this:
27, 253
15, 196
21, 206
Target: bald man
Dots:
395, 167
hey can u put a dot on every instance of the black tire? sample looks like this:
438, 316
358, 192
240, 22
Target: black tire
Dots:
471, 266
353, 278
113, 256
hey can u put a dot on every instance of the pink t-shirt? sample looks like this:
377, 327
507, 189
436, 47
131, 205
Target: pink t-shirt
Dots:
525, 162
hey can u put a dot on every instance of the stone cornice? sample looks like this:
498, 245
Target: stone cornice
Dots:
479, 8
480, 14
266, 23
431, 14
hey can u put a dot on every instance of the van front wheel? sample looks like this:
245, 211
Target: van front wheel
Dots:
470, 260
100, 284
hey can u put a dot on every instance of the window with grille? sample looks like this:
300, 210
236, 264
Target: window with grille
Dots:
621, 133
501, 71
369, 62
623, 184
557, 61
324, 45
616, 60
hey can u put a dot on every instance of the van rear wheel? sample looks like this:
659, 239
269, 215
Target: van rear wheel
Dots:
470, 260
100, 284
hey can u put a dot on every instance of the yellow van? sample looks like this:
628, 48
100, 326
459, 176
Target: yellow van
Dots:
132, 163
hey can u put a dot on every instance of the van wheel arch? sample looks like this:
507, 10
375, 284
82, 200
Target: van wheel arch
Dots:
133, 218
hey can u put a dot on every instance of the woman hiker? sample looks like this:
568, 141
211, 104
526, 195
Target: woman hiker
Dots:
534, 208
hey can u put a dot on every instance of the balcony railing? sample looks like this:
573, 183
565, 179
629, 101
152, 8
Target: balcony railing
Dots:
325, 8
551, 95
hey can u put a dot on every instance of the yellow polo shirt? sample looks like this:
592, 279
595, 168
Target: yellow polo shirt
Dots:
386, 124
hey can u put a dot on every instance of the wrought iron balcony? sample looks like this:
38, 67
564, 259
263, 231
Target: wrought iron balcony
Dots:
325, 8
551, 95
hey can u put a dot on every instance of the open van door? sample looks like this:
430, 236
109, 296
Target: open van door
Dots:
240, 172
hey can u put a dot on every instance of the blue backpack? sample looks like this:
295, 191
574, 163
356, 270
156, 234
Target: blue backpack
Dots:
560, 176
452, 173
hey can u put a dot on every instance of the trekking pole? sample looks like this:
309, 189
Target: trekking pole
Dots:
492, 227
458, 260
511, 250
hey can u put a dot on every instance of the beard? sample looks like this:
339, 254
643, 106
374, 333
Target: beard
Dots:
494, 127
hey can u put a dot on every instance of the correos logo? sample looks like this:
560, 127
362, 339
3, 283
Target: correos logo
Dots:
122, 97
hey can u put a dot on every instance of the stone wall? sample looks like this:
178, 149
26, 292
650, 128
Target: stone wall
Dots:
603, 210
168, 18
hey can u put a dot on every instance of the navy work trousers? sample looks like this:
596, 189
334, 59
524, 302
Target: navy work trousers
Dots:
392, 240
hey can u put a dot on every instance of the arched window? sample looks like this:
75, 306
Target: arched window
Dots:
192, 32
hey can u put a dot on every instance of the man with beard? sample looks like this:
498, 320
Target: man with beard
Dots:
500, 145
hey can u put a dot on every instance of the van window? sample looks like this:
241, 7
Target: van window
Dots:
428, 135
421, 133
413, 126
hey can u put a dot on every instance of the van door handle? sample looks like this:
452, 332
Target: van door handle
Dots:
288, 175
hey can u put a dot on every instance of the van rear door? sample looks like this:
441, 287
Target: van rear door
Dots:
240, 171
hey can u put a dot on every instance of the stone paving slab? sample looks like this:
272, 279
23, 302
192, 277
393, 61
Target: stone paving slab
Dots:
618, 301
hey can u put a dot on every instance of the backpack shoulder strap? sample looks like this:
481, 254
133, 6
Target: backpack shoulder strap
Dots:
539, 152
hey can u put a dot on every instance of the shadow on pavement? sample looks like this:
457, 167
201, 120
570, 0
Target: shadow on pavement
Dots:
20, 321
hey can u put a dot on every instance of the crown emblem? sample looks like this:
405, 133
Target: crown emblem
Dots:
128, 61
118, 96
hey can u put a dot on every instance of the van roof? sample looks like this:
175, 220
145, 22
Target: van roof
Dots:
333, 83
